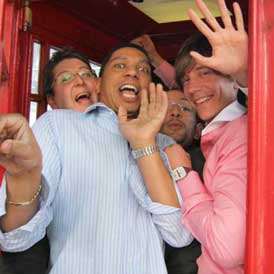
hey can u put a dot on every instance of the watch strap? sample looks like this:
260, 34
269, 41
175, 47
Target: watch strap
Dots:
144, 151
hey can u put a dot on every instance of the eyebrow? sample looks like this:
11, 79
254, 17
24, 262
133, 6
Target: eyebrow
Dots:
125, 58
202, 67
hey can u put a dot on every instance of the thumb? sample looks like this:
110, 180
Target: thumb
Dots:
200, 59
122, 114
6, 147
17, 149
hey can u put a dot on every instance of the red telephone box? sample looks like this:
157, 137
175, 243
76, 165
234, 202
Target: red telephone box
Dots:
16, 47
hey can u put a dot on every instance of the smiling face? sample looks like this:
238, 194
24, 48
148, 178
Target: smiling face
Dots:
125, 74
180, 120
208, 91
75, 87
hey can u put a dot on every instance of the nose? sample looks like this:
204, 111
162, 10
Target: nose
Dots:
131, 71
78, 80
175, 111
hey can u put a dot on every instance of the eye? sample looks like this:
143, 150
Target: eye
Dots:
185, 108
205, 72
65, 77
144, 69
119, 65
86, 74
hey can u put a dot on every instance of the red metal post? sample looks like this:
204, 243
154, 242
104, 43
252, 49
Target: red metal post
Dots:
260, 221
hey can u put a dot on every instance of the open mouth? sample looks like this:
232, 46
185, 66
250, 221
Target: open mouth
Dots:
129, 91
82, 96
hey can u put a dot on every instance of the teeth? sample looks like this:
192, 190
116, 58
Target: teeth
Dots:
202, 100
84, 95
127, 95
129, 87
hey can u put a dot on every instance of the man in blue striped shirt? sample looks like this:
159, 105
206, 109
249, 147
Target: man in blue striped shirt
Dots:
107, 199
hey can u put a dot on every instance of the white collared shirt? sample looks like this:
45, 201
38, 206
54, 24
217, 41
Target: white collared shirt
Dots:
229, 113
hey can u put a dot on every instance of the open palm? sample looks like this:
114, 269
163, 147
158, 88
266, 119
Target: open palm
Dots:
143, 130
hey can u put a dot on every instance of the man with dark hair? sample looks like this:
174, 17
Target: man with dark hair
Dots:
69, 82
104, 188
181, 123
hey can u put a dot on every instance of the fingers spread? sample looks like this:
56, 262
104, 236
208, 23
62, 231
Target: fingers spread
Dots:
200, 59
201, 26
239, 17
210, 19
122, 114
144, 102
225, 14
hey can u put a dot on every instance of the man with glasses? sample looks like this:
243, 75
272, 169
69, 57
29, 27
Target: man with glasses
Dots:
69, 82
181, 123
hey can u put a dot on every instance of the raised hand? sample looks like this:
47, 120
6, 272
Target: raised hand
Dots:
19, 151
142, 131
146, 42
229, 43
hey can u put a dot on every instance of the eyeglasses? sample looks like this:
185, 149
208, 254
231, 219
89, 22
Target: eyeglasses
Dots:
181, 106
68, 76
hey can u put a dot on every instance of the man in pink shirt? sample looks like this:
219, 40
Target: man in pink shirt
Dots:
209, 69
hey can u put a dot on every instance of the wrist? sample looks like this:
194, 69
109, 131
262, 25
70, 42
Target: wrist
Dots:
137, 144
180, 172
156, 60
144, 151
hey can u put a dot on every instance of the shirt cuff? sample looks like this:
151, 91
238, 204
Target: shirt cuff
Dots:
26, 235
192, 190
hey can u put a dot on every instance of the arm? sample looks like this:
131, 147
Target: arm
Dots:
227, 41
215, 212
140, 133
162, 68
21, 157
33, 230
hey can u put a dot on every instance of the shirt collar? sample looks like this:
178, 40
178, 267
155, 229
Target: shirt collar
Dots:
229, 113
98, 105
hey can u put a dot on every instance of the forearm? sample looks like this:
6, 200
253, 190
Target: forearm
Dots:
158, 181
166, 72
23, 188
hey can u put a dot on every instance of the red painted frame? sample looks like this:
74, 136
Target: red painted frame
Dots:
14, 97
260, 222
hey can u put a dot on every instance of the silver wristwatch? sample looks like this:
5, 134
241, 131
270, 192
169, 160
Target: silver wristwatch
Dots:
179, 173
145, 151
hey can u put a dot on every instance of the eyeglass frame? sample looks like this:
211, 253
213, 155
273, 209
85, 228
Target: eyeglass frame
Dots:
74, 74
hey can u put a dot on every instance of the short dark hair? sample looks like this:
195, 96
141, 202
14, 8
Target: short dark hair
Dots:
120, 46
196, 42
57, 57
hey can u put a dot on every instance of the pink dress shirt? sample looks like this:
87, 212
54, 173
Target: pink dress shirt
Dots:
215, 211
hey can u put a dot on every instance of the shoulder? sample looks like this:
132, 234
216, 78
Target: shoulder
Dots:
163, 141
236, 129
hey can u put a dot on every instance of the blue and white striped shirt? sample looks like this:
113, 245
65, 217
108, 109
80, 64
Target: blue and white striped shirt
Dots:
95, 206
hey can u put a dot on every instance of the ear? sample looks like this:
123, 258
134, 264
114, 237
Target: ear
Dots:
235, 85
198, 131
51, 102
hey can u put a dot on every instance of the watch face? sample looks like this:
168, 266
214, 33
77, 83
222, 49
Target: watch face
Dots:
178, 173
